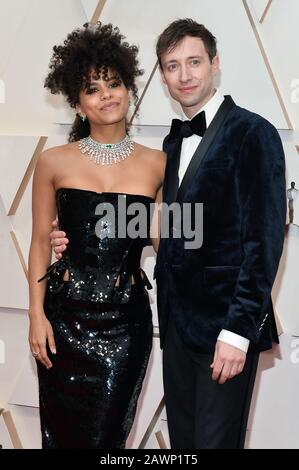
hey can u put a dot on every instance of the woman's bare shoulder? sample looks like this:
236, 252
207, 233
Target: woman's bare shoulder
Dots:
152, 155
58, 151
153, 160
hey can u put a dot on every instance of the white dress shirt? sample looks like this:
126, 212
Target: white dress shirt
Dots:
189, 145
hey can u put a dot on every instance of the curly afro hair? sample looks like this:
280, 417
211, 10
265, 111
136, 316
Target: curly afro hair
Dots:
95, 47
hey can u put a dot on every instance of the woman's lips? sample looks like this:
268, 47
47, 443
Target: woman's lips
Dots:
110, 106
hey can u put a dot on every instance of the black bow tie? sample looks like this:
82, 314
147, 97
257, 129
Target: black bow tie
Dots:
180, 128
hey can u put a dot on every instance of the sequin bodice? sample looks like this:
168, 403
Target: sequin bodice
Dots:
101, 256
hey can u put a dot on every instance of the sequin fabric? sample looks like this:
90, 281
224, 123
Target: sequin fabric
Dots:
103, 332
94, 264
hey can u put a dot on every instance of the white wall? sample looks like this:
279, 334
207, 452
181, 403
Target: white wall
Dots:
28, 30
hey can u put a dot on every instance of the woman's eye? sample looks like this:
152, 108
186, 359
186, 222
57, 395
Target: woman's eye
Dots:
114, 84
172, 67
92, 90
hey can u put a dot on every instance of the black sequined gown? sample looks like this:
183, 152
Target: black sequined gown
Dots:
103, 331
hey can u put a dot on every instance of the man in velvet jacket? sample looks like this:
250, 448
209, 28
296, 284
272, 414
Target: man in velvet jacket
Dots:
214, 302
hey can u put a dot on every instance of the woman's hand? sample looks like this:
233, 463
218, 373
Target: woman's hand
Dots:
39, 333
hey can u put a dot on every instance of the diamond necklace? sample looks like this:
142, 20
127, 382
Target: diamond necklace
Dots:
106, 154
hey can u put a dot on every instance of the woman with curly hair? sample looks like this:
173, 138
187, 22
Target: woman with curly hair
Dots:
90, 316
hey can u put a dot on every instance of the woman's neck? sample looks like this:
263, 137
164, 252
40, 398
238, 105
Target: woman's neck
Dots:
108, 133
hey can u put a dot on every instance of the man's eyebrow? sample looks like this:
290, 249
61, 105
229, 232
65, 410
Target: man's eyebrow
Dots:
188, 58
195, 57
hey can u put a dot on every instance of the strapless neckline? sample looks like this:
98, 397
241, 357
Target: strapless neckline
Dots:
101, 248
104, 192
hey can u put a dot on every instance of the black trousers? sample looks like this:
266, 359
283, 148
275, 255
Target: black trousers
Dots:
201, 413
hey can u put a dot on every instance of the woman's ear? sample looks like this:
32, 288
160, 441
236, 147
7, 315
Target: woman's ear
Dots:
78, 109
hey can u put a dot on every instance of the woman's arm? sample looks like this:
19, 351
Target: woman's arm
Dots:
43, 212
156, 221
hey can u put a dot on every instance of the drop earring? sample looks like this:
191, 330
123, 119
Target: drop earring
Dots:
83, 118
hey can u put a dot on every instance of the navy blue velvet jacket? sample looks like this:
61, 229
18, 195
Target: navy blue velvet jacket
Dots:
227, 282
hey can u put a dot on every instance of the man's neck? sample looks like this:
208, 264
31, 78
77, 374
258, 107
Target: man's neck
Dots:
190, 112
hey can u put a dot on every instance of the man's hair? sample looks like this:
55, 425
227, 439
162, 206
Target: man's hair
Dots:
178, 30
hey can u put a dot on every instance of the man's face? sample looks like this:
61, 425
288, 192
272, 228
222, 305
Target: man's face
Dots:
189, 73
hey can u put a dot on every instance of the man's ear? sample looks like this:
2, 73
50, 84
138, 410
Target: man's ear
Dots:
216, 64
162, 75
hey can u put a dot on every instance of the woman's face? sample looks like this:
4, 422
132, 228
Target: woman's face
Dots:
104, 101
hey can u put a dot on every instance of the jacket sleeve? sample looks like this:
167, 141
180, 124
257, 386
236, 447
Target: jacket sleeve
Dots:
263, 202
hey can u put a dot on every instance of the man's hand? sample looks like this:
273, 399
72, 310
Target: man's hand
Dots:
228, 362
58, 240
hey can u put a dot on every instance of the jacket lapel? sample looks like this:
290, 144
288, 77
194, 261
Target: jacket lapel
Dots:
199, 154
172, 171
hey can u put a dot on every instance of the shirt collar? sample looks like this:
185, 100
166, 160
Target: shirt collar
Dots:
210, 108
